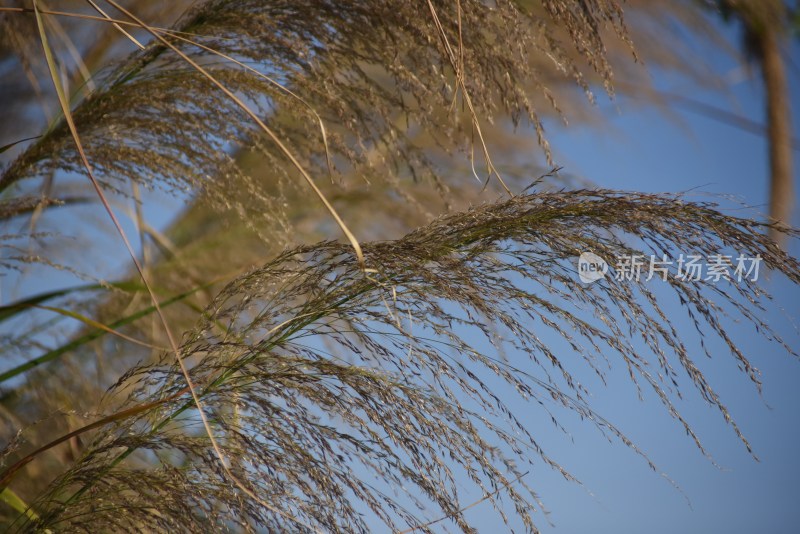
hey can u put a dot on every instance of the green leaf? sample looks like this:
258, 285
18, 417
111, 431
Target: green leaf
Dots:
12, 499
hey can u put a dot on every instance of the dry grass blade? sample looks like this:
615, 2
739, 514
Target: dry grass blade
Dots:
257, 120
64, 101
130, 37
73, 52
457, 62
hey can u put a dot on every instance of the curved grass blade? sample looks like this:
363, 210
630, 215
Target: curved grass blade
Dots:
95, 334
10, 310
262, 125
65, 108
11, 145
12, 499
98, 325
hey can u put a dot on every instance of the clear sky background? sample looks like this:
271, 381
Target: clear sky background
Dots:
643, 149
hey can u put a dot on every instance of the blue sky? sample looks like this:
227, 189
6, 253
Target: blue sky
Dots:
643, 149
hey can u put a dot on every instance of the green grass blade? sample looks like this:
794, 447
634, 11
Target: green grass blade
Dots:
11, 145
94, 334
12, 499
10, 310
